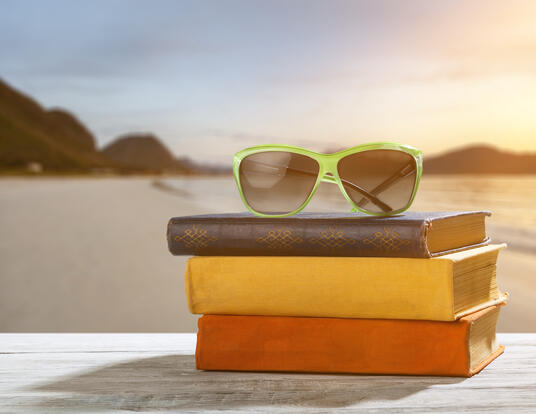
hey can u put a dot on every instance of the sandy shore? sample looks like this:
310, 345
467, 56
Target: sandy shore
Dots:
90, 255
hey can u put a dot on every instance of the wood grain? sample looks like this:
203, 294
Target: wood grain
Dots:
156, 372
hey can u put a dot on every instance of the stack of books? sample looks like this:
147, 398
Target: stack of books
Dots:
342, 293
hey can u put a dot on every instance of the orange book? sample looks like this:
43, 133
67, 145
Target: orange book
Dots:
335, 345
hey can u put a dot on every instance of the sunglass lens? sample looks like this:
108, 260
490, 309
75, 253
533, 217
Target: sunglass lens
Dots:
277, 182
379, 181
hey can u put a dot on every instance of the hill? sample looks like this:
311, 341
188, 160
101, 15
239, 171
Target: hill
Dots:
58, 142
143, 151
481, 159
53, 138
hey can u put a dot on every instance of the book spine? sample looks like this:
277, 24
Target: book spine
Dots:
350, 238
331, 345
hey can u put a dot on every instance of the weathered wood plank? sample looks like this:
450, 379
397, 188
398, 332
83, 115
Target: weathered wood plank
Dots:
151, 373
20, 343
183, 343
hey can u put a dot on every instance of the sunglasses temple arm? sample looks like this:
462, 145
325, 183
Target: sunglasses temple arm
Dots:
367, 195
403, 172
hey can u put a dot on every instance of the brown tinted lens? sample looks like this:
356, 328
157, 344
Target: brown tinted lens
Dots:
379, 181
277, 182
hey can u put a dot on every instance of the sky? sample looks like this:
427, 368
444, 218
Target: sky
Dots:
212, 77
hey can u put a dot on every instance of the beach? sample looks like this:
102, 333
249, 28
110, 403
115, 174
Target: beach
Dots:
90, 254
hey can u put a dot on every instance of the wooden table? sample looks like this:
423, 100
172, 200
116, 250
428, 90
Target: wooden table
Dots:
156, 373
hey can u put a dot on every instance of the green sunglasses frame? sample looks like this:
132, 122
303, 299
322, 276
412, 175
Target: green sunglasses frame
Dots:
328, 164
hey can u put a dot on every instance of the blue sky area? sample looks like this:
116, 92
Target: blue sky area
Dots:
212, 77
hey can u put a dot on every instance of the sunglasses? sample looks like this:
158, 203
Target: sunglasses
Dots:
279, 180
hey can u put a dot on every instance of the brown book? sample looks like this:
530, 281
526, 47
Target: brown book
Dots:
332, 345
412, 234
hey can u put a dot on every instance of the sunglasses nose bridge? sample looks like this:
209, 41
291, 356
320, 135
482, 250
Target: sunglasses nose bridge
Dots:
328, 178
329, 173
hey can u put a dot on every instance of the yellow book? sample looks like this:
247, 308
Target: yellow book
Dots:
442, 288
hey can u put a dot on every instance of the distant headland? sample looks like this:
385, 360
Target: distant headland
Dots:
35, 140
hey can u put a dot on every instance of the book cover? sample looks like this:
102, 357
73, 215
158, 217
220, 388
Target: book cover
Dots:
441, 288
411, 234
333, 345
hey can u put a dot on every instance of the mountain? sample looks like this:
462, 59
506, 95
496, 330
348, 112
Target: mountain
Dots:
481, 159
53, 138
143, 151
56, 141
